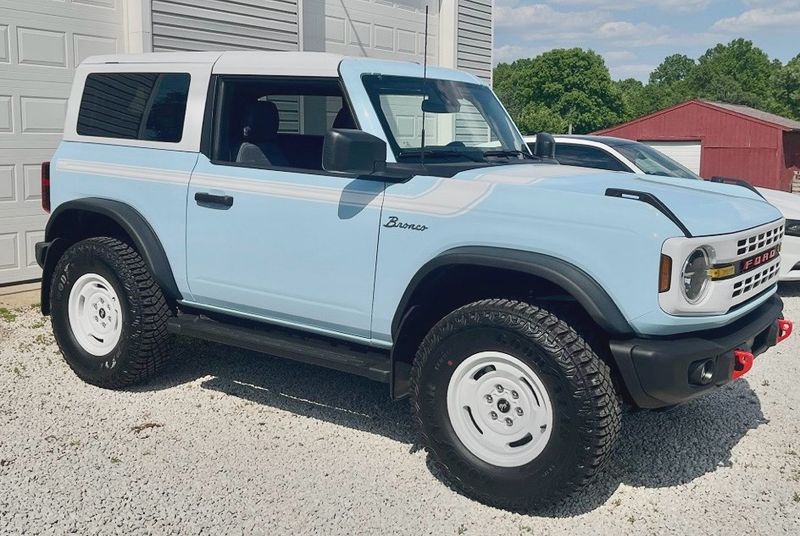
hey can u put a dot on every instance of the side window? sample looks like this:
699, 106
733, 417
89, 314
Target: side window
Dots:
586, 156
134, 106
281, 122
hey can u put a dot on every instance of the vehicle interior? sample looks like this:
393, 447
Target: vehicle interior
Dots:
277, 122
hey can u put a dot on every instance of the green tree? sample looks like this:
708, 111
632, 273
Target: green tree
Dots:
738, 73
787, 88
633, 98
673, 69
559, 88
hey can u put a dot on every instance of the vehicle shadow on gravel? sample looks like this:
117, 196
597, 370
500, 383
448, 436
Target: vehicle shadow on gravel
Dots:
655, 450
789, 289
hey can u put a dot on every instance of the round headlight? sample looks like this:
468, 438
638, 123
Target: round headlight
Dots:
695, 275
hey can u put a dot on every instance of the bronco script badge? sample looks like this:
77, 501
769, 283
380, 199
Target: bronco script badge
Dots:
394, 221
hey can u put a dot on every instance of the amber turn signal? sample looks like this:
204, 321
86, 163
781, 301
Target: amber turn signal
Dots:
665, 274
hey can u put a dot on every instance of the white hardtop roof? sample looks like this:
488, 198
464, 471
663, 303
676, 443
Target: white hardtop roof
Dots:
290, 63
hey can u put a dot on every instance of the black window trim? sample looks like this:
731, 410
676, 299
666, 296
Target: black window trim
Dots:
211, 125
144, 118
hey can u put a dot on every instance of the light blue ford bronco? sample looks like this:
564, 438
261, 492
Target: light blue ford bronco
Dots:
377, 219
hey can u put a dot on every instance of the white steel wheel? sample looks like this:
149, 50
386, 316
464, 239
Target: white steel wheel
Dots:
95, 315
499, 409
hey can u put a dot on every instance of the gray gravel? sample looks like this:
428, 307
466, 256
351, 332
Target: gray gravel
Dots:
233, 442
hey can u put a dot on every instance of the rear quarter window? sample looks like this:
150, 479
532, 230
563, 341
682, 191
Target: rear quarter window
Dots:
134, 106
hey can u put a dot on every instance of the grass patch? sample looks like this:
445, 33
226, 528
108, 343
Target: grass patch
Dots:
6, 315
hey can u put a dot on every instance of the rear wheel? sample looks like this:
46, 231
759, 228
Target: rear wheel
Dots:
109, 315
513, 404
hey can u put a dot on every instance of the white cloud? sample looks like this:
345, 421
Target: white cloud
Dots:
623, 5
619, 55
631, 70
509, 53
775, 14
540, 23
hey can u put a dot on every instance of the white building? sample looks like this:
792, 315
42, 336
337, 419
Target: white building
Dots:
41, 42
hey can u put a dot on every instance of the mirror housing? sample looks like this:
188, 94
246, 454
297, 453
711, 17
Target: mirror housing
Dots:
545, 146
353, 152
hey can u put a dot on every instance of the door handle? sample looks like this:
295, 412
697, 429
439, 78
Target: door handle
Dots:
205, 198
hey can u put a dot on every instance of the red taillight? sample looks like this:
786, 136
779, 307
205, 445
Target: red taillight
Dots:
46, 186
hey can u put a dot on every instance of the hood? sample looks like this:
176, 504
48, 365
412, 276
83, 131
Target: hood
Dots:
787, 203
705, 208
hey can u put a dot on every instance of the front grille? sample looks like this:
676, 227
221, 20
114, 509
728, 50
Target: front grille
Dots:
759, 279
759, 241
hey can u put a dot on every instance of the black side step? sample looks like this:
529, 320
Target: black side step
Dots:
347, 357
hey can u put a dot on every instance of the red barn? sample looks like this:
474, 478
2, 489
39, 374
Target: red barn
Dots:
716, 139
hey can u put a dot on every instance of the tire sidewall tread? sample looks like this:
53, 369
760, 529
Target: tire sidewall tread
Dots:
144, 344
586, 410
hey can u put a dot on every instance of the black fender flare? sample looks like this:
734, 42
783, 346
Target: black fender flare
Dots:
141, 234
575, 281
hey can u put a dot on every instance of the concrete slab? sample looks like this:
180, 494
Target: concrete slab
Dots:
19, 296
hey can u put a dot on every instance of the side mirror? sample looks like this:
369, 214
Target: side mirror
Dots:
353, 152
545, 146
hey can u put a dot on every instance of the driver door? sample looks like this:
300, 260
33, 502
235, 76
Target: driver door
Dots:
269, 233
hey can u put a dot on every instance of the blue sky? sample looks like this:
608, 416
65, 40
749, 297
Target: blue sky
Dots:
635, 35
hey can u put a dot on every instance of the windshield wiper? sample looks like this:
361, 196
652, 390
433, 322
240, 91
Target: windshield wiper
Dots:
511, 152
474, 155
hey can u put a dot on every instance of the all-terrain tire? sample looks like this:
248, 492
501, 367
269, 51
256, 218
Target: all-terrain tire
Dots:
585, 409
143, 345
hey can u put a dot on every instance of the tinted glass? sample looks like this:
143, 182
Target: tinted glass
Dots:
134, 106
585, 156
277, 122
459, 117
654, 162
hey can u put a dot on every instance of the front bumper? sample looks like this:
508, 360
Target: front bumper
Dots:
659, 372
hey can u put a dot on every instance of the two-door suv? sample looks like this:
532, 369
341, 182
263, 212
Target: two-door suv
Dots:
380, 219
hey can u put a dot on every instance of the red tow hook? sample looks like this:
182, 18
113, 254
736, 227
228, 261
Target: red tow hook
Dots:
785, 328
743, 364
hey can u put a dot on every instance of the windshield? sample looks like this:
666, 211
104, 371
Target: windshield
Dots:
654, 162
461, 120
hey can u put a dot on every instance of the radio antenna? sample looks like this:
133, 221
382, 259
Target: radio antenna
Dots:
424, 79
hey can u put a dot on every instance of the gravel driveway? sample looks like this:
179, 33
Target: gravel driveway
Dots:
230, 442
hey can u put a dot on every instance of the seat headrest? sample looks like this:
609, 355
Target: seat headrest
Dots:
344, 119
260, 122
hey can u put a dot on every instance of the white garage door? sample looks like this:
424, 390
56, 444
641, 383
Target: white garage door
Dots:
381, 29
41, 41
386, 30
684, 152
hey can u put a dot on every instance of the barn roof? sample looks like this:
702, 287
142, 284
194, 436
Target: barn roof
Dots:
777, 120
746, 112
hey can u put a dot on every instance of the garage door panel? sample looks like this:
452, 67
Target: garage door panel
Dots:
41, 42
374, 29
687, 153
17, 241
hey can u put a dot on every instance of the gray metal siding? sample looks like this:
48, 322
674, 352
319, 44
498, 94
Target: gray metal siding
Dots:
474, 47
225, 25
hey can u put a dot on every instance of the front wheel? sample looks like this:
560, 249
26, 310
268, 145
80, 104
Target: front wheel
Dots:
513, 404
109, 315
